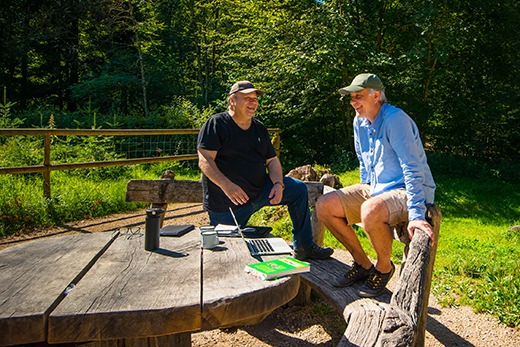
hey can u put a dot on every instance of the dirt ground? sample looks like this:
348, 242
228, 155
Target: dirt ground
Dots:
312, 325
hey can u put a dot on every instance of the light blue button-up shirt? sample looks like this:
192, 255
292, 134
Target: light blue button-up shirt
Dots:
391, 156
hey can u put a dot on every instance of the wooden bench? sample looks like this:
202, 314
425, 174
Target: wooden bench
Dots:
392, 319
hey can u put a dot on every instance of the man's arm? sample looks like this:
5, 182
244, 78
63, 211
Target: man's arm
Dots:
208, 166
407, 145
274, 168
363, 173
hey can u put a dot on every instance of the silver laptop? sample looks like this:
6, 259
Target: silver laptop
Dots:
263, 246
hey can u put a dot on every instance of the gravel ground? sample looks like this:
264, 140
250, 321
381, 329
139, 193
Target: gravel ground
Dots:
312, 325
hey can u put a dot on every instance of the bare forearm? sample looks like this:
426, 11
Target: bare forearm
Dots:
274, 168
210, 169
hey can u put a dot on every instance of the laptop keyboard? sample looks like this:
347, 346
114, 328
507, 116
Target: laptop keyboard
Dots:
260, 246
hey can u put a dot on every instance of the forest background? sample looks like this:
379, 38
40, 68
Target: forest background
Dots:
453, 66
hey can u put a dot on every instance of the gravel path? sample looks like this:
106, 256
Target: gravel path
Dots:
311, 325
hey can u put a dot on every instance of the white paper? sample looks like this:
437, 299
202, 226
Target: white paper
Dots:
225, 229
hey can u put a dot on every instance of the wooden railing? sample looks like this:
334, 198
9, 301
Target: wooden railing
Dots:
47, 166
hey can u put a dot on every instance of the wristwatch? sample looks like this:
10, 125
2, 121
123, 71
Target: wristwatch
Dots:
280, 183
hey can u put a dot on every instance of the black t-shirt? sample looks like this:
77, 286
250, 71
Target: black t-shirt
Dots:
241, 157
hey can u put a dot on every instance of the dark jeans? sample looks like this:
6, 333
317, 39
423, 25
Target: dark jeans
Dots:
294, 196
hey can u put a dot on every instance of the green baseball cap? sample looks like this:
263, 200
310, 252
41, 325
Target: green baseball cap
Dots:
362, 81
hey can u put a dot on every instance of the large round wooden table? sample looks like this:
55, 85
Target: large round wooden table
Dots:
106, 289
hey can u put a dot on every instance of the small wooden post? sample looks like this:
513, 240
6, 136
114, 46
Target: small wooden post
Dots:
47, 162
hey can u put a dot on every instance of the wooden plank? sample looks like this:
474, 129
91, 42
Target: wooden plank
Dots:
344, 300
164, 191
33, 276
314, 191
232, 297
132, 293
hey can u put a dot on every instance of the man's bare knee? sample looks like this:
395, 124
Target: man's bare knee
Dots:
326, 205
374, 210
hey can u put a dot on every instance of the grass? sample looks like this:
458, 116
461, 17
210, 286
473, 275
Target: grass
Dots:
76, 195
478, 257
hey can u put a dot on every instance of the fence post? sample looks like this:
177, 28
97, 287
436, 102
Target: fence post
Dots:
47, 163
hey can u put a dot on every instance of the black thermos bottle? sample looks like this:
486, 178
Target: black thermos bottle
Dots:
151, 234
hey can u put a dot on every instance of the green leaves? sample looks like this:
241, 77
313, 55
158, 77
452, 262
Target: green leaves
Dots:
451, 65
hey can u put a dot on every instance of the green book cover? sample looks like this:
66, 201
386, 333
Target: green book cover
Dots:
276, 268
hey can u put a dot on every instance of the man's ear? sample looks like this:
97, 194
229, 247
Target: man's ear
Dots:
232, 101
376, 95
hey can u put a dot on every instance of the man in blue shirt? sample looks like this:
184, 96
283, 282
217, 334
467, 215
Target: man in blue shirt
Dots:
396, 185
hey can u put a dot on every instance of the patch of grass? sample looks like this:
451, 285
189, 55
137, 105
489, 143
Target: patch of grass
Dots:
478, 264
75, 195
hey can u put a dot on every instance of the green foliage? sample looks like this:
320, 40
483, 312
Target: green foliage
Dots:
183, 114
477, 257
5, 114
21, 204
477, 265
21, 151
150, 64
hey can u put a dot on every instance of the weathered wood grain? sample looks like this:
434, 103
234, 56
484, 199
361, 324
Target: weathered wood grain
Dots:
413, 289
33, 277
385, 325
176, 340
345, 300
232, 297
133, 293
318, 228
163, 191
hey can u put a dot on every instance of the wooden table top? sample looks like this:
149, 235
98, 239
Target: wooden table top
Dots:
97, 287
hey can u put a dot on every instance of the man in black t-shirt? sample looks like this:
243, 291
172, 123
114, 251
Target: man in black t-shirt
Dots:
240, 170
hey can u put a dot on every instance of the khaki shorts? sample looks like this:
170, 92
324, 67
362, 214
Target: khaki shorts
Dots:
353, 197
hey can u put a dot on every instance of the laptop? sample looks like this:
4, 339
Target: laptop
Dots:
251, 232
263, 246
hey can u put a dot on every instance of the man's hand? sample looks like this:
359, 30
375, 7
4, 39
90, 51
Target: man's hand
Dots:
420, 224
276, 194
235, 193
207, 165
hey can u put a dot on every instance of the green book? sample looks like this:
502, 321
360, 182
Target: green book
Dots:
272, 269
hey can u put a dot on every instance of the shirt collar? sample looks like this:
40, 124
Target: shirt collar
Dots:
378, 120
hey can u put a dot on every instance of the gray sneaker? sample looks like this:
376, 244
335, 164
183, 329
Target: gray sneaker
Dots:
376, 283
356, 274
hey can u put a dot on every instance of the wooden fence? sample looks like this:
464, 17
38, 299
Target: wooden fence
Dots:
47, 166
